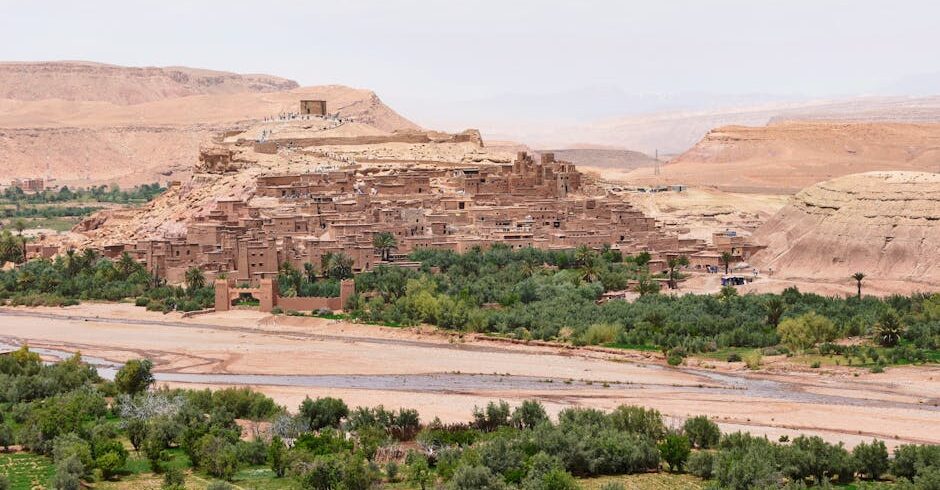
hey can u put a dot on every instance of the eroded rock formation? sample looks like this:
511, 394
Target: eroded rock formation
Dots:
884, 224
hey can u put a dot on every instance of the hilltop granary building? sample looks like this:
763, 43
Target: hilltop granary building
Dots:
313, 107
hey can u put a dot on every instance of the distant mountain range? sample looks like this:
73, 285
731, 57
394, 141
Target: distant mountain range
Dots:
670, 123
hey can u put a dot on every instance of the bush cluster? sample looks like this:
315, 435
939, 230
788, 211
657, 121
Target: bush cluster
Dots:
60, 410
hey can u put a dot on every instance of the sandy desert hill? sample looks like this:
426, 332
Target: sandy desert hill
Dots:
788, 156
86, 81
883, 224
84, 123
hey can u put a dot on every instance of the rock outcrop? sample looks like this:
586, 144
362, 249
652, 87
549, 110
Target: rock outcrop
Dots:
884, 224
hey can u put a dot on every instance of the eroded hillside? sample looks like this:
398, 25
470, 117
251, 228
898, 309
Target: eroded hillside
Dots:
883, 224
83, 123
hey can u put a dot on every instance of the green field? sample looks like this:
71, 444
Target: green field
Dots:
57, 224
26, 471
646, 481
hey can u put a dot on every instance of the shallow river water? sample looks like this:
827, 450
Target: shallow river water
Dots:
713, 382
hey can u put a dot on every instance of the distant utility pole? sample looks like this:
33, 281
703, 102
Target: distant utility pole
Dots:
657, 161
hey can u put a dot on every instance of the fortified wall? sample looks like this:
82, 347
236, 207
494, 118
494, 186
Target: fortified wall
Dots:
267, 294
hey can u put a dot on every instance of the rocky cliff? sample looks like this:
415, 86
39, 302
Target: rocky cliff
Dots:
884, 224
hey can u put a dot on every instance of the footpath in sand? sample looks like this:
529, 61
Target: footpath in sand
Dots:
445, 376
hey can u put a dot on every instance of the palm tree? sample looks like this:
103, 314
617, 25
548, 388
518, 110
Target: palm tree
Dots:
888, 330
774, 307
646, 286
10, 249
290, 276
726, 258
339, 266
385, 242
195, 279
528, 268
590, 271
583, 255
156, 281
89, 257
858, 276
126, 265
19, 225
311, 272
727, 294
72, 262
674, 263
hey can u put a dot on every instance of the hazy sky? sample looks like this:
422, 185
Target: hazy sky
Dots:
424, 55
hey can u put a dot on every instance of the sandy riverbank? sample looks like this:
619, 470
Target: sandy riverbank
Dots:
898, 406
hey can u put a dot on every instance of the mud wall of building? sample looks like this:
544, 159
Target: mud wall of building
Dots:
309, 303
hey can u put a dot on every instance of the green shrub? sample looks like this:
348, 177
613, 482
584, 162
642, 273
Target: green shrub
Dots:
323, 412
871, 460
475, 478
806, 330
753, 360
753, 465
111, 462
174, 479
217, 456
391, 471
327, 441
72, 446
68, 474
601, 333
675, 451
701, 464
528, 415
909, 459
702, 432
639, 420
254, 452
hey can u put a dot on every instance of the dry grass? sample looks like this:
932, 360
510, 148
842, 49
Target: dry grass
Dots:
646, 481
